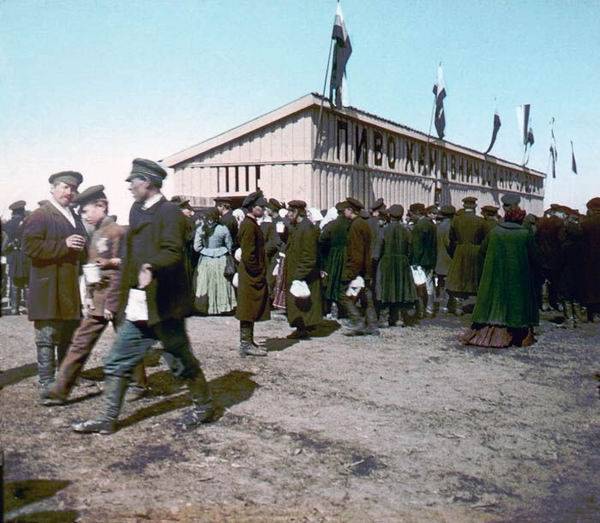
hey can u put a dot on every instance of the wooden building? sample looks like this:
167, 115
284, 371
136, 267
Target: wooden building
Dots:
311, 151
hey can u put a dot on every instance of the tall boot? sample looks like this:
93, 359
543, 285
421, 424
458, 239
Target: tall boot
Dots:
138, 388
357, 327
445, 298
458, 306
371, 315
247, 347
385, 318
114, 392
203, 409
572, 315
46, 365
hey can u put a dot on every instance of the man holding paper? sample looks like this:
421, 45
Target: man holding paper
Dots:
155, 296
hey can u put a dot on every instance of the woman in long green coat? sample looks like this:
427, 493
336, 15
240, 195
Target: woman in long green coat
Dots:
506, 309
395, 287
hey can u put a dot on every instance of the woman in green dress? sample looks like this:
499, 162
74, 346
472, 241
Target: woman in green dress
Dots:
506, 309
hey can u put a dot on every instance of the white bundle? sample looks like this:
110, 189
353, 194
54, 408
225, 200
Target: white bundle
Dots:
282, 213
419, 275
280, 227
356, 285
236, 280
299, 289
314, 214
238, 255
137, 306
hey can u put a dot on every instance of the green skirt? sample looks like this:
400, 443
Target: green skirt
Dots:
214, 293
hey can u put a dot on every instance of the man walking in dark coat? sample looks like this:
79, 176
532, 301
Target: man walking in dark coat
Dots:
590, 228
253, 289
424, 251
359, 262
548, 234
18, 263
54, 239
442, 263
302, 265
155, 296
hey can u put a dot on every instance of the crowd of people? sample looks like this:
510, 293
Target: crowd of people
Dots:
81, 272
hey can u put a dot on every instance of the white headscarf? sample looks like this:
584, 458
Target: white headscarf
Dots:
238, 215
314, 214
331, 215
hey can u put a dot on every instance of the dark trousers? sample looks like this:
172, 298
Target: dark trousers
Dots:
84, 340
134, 339
368, 305
52, 339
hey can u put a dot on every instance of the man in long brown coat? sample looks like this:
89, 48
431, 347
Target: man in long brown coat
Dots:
591, 259
102, 296
54, 238
358, 263
253, 289
466, 235
302, 264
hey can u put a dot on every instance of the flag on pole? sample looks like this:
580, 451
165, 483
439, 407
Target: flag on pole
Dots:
523, 122
497, 125
341, 54
553, 149
439, 91
573, 162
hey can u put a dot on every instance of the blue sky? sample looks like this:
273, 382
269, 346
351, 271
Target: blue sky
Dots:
90, 85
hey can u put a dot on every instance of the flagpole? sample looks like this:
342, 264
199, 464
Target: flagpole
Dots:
429, 133
317, 140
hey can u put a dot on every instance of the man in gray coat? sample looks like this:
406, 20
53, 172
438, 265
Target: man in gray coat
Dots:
443, 258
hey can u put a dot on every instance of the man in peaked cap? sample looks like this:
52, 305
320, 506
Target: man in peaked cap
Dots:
101, 297
466, 235
377, 223
253, 288
155, 298
54, 239
358, 262
442, 263
424, 253
192, 256
223, 205
302, 264
18, 262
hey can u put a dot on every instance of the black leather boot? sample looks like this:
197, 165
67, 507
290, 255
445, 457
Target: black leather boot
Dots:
114, 392
203, 409
247, 346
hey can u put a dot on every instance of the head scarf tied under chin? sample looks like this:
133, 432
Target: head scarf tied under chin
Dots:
515, 215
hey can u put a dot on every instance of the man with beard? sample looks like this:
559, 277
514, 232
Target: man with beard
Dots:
302, 265
155, 297
253, 290
55, 240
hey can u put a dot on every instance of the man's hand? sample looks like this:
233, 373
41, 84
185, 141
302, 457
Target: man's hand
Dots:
108, 315
323, 275
75, 241
145, 276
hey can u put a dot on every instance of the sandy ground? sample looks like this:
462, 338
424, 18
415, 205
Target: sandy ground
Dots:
410, 426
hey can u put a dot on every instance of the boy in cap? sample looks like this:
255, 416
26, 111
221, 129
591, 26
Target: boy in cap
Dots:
155, 297
302, 264
54, 239
358, 262
18, 263
102, 296
253, 290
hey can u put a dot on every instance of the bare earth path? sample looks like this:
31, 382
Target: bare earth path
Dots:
408, 427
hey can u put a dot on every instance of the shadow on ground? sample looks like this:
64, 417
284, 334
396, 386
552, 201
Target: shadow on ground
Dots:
19, 494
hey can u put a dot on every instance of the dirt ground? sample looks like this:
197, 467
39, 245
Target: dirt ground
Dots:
410, 426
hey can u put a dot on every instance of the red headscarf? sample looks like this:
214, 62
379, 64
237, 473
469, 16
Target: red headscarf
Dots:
515, 215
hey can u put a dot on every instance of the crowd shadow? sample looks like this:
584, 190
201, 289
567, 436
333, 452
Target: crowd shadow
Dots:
234, 387
19, 494
13, 376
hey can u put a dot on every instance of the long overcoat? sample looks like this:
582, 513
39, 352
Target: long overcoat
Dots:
507, 294
18, 262
157, 236
424, 244
590, 263
332, 245
358, 252
253, 291
302, 263
395, 284
442, 262
466, 235
55, 268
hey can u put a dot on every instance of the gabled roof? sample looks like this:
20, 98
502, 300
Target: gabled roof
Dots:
314, 99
